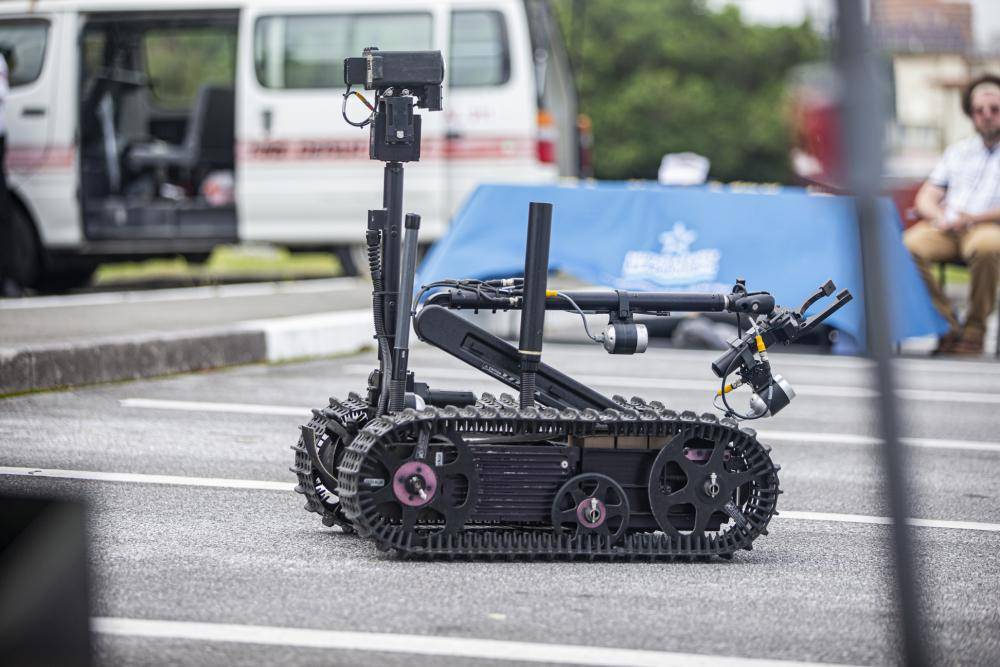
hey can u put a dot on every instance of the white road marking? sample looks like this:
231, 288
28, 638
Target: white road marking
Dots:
988, 367
787, 436
782, 355
632, 382
381, 642
887, 521
202, 406
141, 478
850, 439
185, 293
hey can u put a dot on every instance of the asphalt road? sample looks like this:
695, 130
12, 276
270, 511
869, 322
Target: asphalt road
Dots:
194, 574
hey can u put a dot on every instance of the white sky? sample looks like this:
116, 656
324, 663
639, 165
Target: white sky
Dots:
985, 15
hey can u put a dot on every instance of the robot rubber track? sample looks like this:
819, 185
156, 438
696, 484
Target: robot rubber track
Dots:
495, 428
330, 427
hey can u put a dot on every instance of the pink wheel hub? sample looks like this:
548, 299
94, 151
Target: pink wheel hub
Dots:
591, 512
414, 484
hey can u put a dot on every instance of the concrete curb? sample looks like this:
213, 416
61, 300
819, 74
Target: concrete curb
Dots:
147, 355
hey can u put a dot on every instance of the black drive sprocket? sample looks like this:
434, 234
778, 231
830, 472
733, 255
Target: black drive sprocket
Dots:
326, 434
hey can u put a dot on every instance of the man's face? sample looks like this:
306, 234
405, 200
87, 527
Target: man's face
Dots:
986, 112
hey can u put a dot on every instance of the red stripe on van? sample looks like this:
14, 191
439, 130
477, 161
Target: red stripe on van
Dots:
301, 149
340, 149
30, 158
477, 148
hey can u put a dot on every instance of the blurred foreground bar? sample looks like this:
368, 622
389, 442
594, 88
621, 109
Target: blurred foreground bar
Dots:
44, 611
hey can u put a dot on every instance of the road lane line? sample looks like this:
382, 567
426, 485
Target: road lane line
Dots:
185, 293
382, 642
142, 478
783, 355
887, 521
709, 387
801, 437
201, 406
788, 436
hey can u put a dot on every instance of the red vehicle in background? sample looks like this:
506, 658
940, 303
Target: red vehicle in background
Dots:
815, 155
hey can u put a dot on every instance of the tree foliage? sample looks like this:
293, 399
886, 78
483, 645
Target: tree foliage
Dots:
664, 76
180, 61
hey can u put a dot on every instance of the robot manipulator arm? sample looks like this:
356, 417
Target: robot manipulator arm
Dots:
747, 355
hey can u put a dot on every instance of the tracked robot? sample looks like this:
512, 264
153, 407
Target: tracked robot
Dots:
559, 470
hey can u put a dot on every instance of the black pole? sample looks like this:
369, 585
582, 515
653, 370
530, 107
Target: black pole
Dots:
536, 270
401, 351
392, 201
863, 117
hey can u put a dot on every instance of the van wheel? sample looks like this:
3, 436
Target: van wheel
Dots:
353, 260
61, 279
26, 257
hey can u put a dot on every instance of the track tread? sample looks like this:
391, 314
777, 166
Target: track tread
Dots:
350, 414
500, 416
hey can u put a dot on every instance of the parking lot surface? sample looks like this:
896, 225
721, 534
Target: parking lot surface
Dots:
201, 554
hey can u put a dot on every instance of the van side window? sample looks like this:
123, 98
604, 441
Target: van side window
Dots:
479, 52
307, 51
25, 41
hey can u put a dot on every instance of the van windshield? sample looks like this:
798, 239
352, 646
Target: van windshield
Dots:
308, 51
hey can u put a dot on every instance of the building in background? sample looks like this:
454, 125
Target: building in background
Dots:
931, 49
933, 54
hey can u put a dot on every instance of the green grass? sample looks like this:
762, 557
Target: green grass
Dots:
954, 274
226, 264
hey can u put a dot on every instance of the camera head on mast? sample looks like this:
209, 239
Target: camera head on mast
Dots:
398, 78
416, 74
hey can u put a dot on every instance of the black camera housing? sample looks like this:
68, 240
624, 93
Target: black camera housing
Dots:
397, 77
395, 133
416, 73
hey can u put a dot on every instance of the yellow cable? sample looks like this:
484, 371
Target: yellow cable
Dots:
362, 98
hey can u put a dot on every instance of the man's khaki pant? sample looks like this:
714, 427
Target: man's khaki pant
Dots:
979, 247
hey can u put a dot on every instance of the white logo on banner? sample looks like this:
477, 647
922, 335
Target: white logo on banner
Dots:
675, 264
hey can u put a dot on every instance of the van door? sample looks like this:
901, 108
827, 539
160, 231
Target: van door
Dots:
501, 124
41, 155
555, 89
303, 174
28, 107
157, 130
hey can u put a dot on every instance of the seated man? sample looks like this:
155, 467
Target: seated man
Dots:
959, 207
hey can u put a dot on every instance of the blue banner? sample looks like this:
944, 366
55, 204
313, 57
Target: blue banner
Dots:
652, 237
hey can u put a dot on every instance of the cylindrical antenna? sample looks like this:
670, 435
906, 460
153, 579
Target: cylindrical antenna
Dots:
397, 389
536, 269
392, 202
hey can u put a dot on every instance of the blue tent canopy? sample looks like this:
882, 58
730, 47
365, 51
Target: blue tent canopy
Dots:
651, 237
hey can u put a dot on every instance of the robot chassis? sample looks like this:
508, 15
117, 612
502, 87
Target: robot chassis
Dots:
561, 471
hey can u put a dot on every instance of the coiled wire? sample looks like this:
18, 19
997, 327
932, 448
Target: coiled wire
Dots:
378, 315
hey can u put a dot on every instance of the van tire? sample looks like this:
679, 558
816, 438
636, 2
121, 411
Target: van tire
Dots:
26, 261
353, 260
65, 278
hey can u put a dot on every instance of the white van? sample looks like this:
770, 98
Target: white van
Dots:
141, 128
